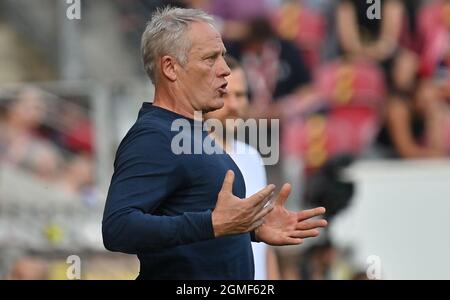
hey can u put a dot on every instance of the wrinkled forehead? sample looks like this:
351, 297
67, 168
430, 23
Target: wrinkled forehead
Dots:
205, 37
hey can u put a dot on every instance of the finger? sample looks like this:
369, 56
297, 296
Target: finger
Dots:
265, 202
262, 195
227, 185
264, 211
311, 224
310, 213
284, 194
256, 224
292, 241
304, 233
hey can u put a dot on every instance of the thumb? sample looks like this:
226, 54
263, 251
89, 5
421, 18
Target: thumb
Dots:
284, 194
227, 185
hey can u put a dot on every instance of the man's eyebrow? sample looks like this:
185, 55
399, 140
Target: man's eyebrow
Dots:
215, 52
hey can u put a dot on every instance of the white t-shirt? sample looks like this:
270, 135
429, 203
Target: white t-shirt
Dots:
252, 168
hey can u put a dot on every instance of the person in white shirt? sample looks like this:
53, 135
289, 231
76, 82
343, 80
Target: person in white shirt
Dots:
247, 159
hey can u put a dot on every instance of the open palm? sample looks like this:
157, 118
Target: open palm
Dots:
284, 227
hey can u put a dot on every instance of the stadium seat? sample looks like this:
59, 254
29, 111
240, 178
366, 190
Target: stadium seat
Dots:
354, 93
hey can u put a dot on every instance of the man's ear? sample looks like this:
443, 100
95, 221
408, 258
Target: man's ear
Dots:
168, 67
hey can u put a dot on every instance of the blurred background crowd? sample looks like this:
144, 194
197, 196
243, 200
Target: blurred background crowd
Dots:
346, 87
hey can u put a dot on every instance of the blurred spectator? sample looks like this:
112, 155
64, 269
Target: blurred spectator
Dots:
380, 40
347, 119
279, 82
417, 120
416, 128
26, 113
279, 79
361, 36
75, 132
304, 23
29, 139
20, 139
78, 175
246, 158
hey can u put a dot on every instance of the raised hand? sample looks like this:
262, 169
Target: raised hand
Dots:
284, 227
233, 215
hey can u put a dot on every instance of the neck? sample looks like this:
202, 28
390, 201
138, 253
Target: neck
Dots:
171, 100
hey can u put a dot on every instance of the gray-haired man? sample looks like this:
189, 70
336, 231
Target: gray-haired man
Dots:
186, 215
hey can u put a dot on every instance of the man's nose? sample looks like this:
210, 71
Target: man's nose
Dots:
224, 70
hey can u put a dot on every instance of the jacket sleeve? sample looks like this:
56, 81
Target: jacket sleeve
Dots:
146, 172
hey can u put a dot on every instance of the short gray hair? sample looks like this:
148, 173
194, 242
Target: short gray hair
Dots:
165, 34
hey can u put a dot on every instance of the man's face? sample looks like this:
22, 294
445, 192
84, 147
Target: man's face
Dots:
235, 100
202, 80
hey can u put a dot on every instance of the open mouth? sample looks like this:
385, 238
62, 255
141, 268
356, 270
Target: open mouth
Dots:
223, 89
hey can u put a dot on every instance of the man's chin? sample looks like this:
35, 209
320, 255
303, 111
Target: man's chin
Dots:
216, 104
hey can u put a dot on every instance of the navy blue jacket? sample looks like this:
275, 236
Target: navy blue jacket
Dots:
159, 203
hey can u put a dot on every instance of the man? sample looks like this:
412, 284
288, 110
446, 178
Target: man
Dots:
246, 157
185, 215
